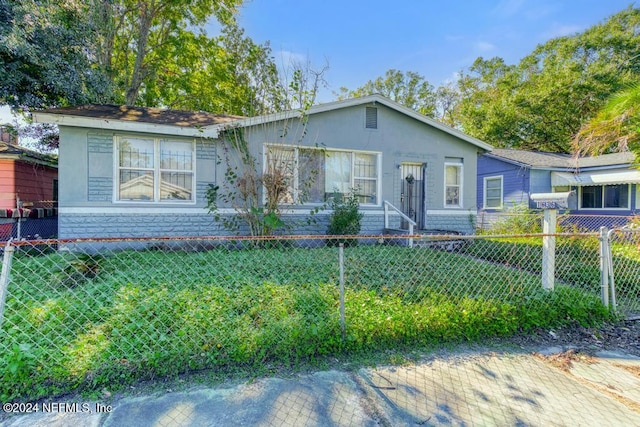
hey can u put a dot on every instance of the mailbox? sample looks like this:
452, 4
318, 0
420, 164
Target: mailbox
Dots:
551, 200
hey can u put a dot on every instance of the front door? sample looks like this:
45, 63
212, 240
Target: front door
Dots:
412, 196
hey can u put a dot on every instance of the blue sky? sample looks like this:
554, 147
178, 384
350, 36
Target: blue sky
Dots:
362, 39
435, 38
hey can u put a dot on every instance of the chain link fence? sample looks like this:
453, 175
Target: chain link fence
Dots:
39, 221
88, 314
624, 255
531, 222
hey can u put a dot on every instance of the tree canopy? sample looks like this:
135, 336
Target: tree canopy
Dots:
43, 57
136, 52
541, 102
407, 88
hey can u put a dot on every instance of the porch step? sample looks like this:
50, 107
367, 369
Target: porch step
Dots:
448, 244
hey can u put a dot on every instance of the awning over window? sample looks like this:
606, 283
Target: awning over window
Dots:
611, 177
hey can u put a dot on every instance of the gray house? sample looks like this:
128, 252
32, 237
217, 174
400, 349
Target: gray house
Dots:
143, 172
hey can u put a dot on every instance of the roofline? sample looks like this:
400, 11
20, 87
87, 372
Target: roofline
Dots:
29, 159
352, 102
511, 161
560, 168
124, 125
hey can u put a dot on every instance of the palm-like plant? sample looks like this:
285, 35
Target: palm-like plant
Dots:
616, 127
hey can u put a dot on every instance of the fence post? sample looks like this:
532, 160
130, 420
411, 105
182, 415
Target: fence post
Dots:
343, 325
612, 282
604, 265
4, 276
549, 249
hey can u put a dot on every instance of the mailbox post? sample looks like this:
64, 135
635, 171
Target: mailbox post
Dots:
550, 203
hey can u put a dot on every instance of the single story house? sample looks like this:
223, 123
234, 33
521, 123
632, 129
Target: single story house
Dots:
606, 185
144, 172
28, 188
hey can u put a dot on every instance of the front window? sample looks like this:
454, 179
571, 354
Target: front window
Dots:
154, 170
605, 197
313, 175
453, 186
493, 192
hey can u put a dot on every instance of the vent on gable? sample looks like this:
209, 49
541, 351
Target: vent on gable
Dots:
371, 117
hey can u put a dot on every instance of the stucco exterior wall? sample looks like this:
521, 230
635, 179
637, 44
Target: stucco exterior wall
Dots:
87, 175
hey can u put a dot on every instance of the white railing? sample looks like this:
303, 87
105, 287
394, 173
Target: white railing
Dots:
411, 222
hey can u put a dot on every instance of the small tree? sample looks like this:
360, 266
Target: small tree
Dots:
345, 218
257, 195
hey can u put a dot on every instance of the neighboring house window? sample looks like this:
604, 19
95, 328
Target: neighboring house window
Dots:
453, 185
604, 197
154, 170
371, 117
313, 175
493, 192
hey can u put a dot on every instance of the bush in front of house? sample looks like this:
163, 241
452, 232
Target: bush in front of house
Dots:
345, 218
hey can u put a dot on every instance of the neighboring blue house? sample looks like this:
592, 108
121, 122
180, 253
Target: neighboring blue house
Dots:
144, 172
602, 185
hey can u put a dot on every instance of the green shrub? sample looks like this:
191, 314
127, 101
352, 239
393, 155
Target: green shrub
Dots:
518, 219
345, 218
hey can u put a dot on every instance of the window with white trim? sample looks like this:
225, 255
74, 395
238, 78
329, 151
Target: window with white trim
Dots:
453, 185
604, 196
313, 175
154, 170
493, 192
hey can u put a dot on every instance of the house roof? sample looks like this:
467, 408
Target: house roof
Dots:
15, 152
121, 117
364, 100
535, 159
204, 124
543, 160
614, 159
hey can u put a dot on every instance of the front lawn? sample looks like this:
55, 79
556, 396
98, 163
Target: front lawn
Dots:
82, 323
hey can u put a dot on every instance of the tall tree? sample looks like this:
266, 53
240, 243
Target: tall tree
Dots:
409, 89
224, 74
43, 55
136, 38
541, 102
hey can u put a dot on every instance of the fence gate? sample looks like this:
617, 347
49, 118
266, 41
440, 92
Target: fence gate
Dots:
624, 270
412, 196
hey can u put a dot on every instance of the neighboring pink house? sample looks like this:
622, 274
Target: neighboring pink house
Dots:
26, 175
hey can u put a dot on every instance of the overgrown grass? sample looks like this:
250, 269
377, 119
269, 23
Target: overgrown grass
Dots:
577, 261
141, 315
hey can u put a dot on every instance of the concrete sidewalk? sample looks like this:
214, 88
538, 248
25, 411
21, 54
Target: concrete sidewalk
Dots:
552, 388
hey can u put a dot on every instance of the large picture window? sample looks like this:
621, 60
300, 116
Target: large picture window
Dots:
453, 185
313, 175
493, 192
604, 197
154, 170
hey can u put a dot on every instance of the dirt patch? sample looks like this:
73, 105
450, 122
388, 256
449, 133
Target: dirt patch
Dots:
564, 360
635, 370
623, 336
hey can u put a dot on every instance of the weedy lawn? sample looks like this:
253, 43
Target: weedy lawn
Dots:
81, 323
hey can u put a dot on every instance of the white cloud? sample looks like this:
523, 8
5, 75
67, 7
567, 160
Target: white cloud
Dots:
559, 30
484, 46
508, 7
